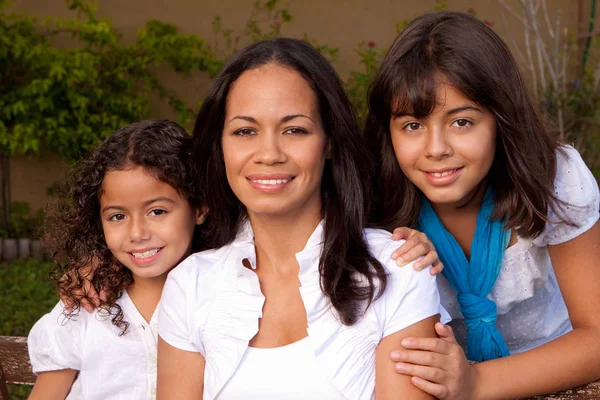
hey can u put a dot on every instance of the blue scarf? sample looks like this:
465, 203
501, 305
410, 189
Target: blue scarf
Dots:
473, 280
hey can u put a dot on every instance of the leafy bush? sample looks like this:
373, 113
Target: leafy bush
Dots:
69, 99
26, 294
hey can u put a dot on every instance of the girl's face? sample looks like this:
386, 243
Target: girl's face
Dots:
147, 225
448, 153
273, 142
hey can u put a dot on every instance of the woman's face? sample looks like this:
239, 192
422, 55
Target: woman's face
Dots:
273, 142
448, 153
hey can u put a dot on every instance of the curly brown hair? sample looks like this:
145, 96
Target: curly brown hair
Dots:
74, 237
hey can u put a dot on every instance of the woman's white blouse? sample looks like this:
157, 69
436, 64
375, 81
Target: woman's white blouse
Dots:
269, 375
111, 366
531, 309
211, 304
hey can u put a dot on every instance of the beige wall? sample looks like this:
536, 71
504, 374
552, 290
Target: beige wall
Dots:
338, 23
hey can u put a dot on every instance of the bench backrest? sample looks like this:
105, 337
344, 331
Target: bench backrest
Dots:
14, 363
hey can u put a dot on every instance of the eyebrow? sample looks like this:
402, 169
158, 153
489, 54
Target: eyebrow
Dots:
451, 112
463, 108
284, 119
145, 204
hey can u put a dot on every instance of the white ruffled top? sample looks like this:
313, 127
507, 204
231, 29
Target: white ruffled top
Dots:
531, 309
211, 304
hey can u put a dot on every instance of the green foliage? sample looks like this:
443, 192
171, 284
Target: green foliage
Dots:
69, 99
579, 104
24, 223
26, 294
357, 85
265, 22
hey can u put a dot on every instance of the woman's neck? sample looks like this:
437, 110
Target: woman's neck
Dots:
278, 238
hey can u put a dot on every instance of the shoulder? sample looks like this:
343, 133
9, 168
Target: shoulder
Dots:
59, 322
382, 246
201, 266
410, 296
577, 204
55, 340
574, 182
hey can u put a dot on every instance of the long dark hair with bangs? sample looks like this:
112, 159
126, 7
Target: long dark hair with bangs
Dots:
345, 259
475, 60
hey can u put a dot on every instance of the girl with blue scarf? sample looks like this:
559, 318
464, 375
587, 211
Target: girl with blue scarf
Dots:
465, 157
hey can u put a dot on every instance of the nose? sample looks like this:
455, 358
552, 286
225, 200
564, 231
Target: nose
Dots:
269, 149
138, 229
438, 146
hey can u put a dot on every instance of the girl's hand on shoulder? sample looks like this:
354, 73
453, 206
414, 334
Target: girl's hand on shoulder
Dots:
89, 298
437, 366
417, 245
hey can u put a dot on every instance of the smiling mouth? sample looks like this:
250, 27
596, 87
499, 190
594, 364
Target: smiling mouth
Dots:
444, 173
270, 181
147, 253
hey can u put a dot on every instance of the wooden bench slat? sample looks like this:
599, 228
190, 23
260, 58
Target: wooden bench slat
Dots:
590, 391
15, 360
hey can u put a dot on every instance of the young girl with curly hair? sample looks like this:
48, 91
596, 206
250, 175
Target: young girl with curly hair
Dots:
132, 206
464, 155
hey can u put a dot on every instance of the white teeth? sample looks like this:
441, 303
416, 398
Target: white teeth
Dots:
271, 181
146, 254
440, 174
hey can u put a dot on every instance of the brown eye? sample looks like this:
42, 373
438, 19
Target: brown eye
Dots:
462, 123
117, 217
296, 131
412, 126
244, 132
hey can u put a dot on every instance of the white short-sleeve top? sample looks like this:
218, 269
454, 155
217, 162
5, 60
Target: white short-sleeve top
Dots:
211, 304
111, 366
531, 309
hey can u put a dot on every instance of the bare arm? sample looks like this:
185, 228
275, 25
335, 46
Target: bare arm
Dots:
389, 384
572, 359
53, 385
180, 373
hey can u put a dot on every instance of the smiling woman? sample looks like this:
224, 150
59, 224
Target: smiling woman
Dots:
298, 300
285, 131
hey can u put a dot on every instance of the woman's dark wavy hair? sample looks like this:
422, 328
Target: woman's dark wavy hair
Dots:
345, 259
73, 227
475, 60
